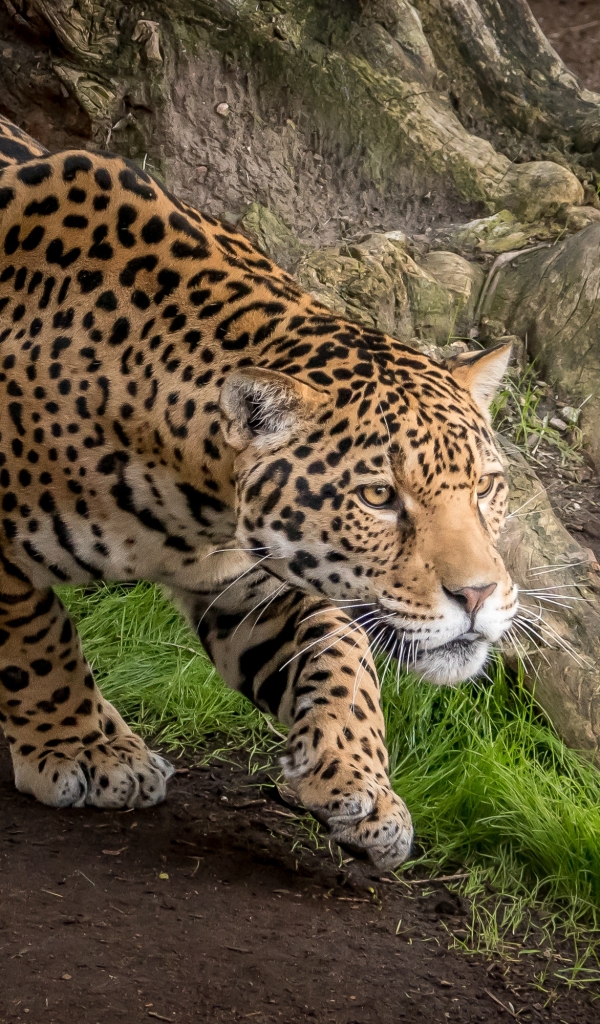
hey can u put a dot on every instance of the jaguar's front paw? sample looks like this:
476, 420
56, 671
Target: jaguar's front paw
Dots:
379, 826
362, 814
108, 775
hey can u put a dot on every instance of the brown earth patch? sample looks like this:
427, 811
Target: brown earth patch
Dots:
215, 907
573, 28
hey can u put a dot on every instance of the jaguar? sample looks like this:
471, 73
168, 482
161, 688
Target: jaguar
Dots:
311, 491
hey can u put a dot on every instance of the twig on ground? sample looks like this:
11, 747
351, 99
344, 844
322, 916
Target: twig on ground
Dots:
86, 877
499, 1003
574, 28
441, 878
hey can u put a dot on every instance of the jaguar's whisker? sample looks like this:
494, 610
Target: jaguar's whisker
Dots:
394, 644
512, 515
269, 598
522, 654
355, 688
532, 636
374, 643
230, 585
277, 593
220, 551
559, 640
385, 422
541, 570
360, 625
319, 611
321, 639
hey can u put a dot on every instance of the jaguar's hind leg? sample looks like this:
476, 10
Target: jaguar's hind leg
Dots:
69, 746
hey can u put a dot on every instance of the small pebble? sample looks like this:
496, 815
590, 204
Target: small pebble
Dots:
570, 414
223, 109
558, 424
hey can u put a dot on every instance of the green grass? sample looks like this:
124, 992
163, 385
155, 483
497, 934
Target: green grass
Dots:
493, 792
516, 413
152, 667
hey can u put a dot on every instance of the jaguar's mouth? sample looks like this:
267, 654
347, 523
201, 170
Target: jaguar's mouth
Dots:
452, 662
407, 647
455, 661
459, 645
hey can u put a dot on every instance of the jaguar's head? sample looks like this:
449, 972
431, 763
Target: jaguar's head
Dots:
384, 492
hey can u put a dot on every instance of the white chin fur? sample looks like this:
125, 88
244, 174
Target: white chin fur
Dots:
446, 667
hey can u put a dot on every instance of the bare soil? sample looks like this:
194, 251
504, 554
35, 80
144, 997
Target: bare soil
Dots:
574, 492
573, 28
572, 483
215, 907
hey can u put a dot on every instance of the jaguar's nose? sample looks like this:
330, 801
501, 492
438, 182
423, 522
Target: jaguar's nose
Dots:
472, 598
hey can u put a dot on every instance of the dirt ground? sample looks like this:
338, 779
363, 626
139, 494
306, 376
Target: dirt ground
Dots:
574, 492
573, 487
203, 910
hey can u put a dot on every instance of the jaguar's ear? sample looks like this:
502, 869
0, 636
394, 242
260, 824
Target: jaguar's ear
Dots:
262, 403
480, 373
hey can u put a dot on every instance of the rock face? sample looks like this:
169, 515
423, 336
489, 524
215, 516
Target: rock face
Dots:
321, 110
378, 282
550, 295
565, 675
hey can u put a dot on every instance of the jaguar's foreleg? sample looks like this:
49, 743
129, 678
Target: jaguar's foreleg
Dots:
301, 659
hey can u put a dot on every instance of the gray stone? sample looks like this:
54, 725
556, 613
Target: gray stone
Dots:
565, 676
551, 296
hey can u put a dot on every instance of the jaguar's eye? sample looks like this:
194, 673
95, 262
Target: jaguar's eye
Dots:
485, 485
377, 495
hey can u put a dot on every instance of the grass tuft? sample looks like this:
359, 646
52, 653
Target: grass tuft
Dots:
494, 791
518, 413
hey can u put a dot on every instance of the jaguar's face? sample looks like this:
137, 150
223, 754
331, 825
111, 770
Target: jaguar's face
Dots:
390, 506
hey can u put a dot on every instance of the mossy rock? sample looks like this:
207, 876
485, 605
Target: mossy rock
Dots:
463, 281
361, 281
377, 282
271, 235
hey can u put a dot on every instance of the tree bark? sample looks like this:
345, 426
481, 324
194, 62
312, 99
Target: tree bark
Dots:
459, 91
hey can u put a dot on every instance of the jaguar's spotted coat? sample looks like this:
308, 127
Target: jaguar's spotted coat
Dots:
174, 408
